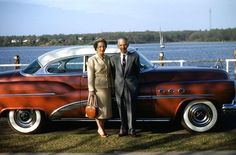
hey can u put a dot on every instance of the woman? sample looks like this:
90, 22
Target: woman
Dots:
99, 83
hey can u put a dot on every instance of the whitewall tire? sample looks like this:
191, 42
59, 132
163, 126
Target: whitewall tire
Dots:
26, 121
199, 116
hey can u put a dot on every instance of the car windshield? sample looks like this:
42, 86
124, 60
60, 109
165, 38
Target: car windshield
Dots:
144, 62
32, 68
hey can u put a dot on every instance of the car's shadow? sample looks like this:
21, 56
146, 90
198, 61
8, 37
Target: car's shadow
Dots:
112, 127
227, 123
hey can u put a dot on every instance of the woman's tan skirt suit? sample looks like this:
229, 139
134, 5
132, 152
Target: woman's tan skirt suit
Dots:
99, 81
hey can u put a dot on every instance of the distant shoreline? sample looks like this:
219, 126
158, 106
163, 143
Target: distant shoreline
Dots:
214, 35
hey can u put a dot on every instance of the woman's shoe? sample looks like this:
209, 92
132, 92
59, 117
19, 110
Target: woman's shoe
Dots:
103, 135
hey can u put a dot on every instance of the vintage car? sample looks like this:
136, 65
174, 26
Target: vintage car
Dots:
54, 87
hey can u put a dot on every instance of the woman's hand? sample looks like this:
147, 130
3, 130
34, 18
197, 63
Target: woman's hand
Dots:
91, 93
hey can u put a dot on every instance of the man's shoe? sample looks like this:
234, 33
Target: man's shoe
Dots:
133, 134
122, 134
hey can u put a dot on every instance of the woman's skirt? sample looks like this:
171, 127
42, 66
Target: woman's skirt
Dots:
104, 103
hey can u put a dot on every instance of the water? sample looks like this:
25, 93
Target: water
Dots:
190, 51
194, 51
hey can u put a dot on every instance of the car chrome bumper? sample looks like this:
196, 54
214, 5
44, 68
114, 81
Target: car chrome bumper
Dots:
228, 108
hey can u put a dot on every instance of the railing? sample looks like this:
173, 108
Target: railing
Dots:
180, 62
227, 63
13, 65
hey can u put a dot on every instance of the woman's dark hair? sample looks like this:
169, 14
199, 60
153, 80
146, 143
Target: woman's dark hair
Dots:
95, 44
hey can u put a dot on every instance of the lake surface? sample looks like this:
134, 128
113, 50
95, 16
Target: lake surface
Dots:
197, 53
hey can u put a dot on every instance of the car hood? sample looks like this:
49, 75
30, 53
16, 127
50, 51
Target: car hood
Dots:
8, 75
178, 74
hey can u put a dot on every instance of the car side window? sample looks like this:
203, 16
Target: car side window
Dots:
69, 65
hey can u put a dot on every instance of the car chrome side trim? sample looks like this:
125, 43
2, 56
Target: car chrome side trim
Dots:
139, 97
174, 96
32, 94
70, 106
57, 112
116, 120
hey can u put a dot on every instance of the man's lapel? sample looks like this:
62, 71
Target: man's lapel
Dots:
118, 62
128, 62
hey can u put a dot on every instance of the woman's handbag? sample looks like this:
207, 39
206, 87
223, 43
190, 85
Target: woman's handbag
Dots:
91, 108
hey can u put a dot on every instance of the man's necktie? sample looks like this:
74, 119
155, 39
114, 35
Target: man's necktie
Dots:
123, 63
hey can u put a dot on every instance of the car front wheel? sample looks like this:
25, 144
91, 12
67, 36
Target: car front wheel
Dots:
199, 116
26, 121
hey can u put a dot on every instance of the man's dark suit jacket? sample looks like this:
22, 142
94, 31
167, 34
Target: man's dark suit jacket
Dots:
130, 76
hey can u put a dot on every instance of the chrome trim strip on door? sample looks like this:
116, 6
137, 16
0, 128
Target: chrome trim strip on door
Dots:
174, 96
57, 112
32, 94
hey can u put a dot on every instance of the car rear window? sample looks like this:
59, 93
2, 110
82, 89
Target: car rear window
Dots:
32, 68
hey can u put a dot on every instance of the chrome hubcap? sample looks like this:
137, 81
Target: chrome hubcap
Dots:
200, 115
25, 118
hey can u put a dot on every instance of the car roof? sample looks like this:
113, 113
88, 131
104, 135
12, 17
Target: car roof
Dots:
69, 52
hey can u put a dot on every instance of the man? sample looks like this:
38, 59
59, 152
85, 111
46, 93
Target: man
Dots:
126, 68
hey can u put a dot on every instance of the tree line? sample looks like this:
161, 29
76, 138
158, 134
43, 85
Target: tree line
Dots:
134, 37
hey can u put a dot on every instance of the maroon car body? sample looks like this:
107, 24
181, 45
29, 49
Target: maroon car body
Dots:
54, 87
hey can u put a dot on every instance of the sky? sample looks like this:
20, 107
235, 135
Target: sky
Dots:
40, 17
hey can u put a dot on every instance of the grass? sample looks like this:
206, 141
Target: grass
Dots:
147, 142
77, 137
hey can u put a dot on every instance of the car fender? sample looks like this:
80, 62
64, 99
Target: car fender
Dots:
183, 104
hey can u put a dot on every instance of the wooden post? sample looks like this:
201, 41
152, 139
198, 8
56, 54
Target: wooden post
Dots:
17, 61
161, 57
